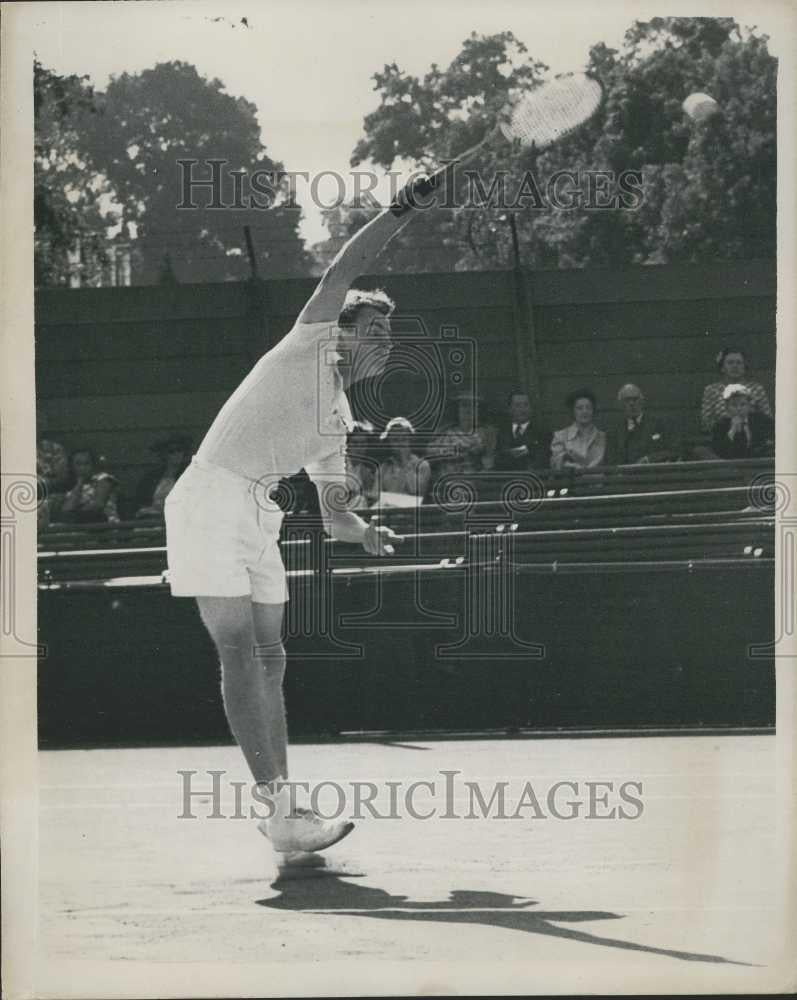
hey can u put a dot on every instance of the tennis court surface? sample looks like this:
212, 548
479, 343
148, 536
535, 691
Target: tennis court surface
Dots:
682, 894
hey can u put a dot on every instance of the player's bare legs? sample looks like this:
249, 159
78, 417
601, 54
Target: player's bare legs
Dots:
269, 652
248, 638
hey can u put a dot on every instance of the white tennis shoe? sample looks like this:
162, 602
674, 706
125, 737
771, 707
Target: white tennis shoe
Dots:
303, 831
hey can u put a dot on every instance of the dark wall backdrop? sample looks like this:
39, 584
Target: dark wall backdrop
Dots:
600, 669
117, 367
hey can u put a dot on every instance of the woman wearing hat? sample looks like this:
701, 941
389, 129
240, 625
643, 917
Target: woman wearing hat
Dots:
174, 453
742, 432
733, 366
402, 471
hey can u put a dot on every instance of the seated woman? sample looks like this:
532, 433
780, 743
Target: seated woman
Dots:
52, 463
402, 471
92, 497
581, 445
52, 472
174, 454
742, 432
733, 367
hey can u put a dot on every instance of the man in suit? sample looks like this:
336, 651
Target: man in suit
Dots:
640, 437
520, 445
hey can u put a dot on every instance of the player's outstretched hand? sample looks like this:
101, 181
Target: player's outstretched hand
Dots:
378, 538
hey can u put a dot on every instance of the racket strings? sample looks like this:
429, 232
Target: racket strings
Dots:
552, 111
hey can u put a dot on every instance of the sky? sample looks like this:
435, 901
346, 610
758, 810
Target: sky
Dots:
308, 65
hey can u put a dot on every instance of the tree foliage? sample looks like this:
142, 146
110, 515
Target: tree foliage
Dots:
69, 214
151, 120
449, 110
708, 191
132, 137
421, 122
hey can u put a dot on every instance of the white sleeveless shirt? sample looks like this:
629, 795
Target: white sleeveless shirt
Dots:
289, 413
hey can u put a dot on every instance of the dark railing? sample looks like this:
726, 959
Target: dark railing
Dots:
536, 523
685, 482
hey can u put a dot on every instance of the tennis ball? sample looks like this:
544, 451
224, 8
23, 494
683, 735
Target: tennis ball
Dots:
700, 107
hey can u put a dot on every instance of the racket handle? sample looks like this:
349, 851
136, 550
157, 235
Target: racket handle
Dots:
418, 188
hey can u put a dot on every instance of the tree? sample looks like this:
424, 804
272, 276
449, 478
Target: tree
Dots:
449, 110
709, 190
425, 121
706, 191
147, 123
72, 200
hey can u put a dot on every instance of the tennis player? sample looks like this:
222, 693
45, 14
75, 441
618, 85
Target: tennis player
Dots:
222, 526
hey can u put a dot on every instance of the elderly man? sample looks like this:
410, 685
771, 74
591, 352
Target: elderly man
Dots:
639, 437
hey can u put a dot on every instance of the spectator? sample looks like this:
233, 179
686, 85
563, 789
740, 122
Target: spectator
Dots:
742, 432
361, 465
465, 447
733, 366
402, 471
174, 455
581, 445
52, 463
92, 498
519, 445
641, 438
52, 471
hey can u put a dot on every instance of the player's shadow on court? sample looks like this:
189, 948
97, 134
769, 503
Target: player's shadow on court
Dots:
332, 894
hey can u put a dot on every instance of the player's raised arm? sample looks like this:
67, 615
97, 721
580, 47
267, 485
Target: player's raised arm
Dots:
360, 252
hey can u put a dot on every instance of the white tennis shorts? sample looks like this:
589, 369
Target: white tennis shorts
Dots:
222, 537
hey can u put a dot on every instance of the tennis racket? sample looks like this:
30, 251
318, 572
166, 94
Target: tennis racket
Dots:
537, 120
